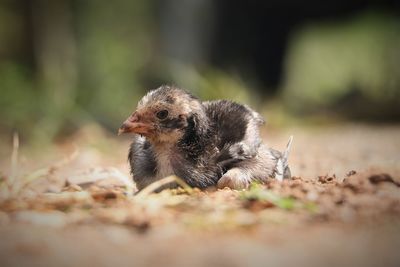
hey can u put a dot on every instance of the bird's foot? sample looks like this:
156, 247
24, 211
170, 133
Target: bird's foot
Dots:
235, 179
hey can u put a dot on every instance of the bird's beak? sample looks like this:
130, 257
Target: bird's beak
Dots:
134, 124
122, 129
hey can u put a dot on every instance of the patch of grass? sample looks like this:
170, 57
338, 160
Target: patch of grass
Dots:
257, 192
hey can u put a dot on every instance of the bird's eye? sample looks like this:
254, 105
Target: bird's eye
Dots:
162, 114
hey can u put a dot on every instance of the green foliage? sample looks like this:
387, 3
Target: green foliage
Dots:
85, 69
18, 101
95, 59
211, 84
257, 192
112, 51
329, 61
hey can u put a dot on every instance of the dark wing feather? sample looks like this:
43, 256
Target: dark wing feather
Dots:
237, 130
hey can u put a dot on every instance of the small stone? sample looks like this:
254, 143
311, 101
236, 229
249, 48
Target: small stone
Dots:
383, 177
350, 173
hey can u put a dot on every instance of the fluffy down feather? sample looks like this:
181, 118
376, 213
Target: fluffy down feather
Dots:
213, 143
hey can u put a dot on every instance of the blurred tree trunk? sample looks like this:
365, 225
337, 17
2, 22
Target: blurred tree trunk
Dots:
55, 55
187, 29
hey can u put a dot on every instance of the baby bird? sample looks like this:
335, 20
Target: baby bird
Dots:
212, 143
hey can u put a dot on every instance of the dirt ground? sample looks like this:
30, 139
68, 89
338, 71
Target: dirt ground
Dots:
72, 205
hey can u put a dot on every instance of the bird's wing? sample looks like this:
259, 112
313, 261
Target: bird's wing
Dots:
282, 165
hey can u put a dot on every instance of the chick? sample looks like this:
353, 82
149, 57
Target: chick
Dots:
213, 143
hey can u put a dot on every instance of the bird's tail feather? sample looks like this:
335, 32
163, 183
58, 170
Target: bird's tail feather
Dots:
287, 150
282, 166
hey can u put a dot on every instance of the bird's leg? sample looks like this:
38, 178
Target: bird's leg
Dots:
235, 178
259, 168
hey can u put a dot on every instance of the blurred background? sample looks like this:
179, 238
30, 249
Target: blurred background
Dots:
67, 63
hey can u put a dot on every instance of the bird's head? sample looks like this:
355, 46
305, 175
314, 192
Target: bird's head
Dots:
164, 115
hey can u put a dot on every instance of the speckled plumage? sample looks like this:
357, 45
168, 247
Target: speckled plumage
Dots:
213, 143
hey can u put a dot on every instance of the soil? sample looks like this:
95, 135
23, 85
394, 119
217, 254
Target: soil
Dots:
71, 204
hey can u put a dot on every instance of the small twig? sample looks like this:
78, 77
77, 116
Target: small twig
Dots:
14, 159
157, 184
183, 184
